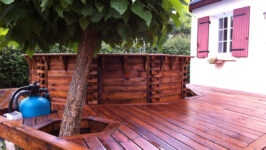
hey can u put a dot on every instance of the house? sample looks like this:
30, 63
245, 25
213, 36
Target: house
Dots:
229, 39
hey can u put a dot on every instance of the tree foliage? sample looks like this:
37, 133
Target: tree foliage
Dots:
42, 23
177, 42
184, 28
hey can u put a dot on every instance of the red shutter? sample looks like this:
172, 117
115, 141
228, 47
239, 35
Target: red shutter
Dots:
203, 37
240, 32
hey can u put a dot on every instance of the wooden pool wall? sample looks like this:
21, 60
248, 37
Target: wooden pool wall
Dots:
115, 78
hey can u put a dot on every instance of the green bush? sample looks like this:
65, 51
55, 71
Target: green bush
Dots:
177, 45
56, 49
13, 68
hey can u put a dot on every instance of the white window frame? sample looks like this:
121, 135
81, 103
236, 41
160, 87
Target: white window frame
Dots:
215, 36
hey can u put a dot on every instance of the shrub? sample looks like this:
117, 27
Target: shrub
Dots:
177, 45
13, 68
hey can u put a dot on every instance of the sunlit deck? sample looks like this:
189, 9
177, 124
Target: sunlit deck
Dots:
215, 119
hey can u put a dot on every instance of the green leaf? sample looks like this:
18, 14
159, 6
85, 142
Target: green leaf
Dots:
122, 31
133, 1
139, 9
115, 14
63, 3
44, 3
13, 44
30, 52
178, 7
84, 22
3, 43
166, 5
126, 16
164, 32
175, 18
70, 18
83, 1
6, 11
2, 37
7, 2
155, 40
87, 10
96, 17
69, 1
59, 10
119, 5
3, 31
99, 6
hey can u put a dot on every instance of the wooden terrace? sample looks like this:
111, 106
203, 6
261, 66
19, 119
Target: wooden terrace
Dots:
214, 119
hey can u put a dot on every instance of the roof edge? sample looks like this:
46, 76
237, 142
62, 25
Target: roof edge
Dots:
200, 3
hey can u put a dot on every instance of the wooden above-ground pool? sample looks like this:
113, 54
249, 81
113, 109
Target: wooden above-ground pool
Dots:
115, 78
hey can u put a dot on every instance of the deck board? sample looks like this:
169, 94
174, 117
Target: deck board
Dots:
214, 119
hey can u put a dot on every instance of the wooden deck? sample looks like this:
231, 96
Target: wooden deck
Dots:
215, 119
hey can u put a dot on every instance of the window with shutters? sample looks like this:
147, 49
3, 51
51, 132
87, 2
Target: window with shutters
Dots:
224, 35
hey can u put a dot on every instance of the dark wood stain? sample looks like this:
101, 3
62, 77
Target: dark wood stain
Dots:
214, 119
115, 78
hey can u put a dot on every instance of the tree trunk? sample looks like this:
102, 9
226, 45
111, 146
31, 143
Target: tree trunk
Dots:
78, 88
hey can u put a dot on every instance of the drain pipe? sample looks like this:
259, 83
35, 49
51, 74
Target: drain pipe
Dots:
21, 93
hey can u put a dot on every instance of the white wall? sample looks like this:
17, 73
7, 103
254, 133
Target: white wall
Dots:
245, 74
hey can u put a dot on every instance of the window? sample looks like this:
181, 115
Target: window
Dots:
225, 34
229, 34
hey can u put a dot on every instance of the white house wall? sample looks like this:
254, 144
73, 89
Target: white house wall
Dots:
245, 74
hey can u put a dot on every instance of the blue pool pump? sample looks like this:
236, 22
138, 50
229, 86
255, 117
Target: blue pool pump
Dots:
34, 105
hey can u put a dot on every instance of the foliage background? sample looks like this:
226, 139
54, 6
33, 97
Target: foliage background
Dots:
14, 68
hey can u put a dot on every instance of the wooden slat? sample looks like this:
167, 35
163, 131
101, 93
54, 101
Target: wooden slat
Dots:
99, 79
259, 144
94, 143
110, 143
29, 138
138, 139
172, 141
150, 137
124, 141
172, 132
214, 136
197, 138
